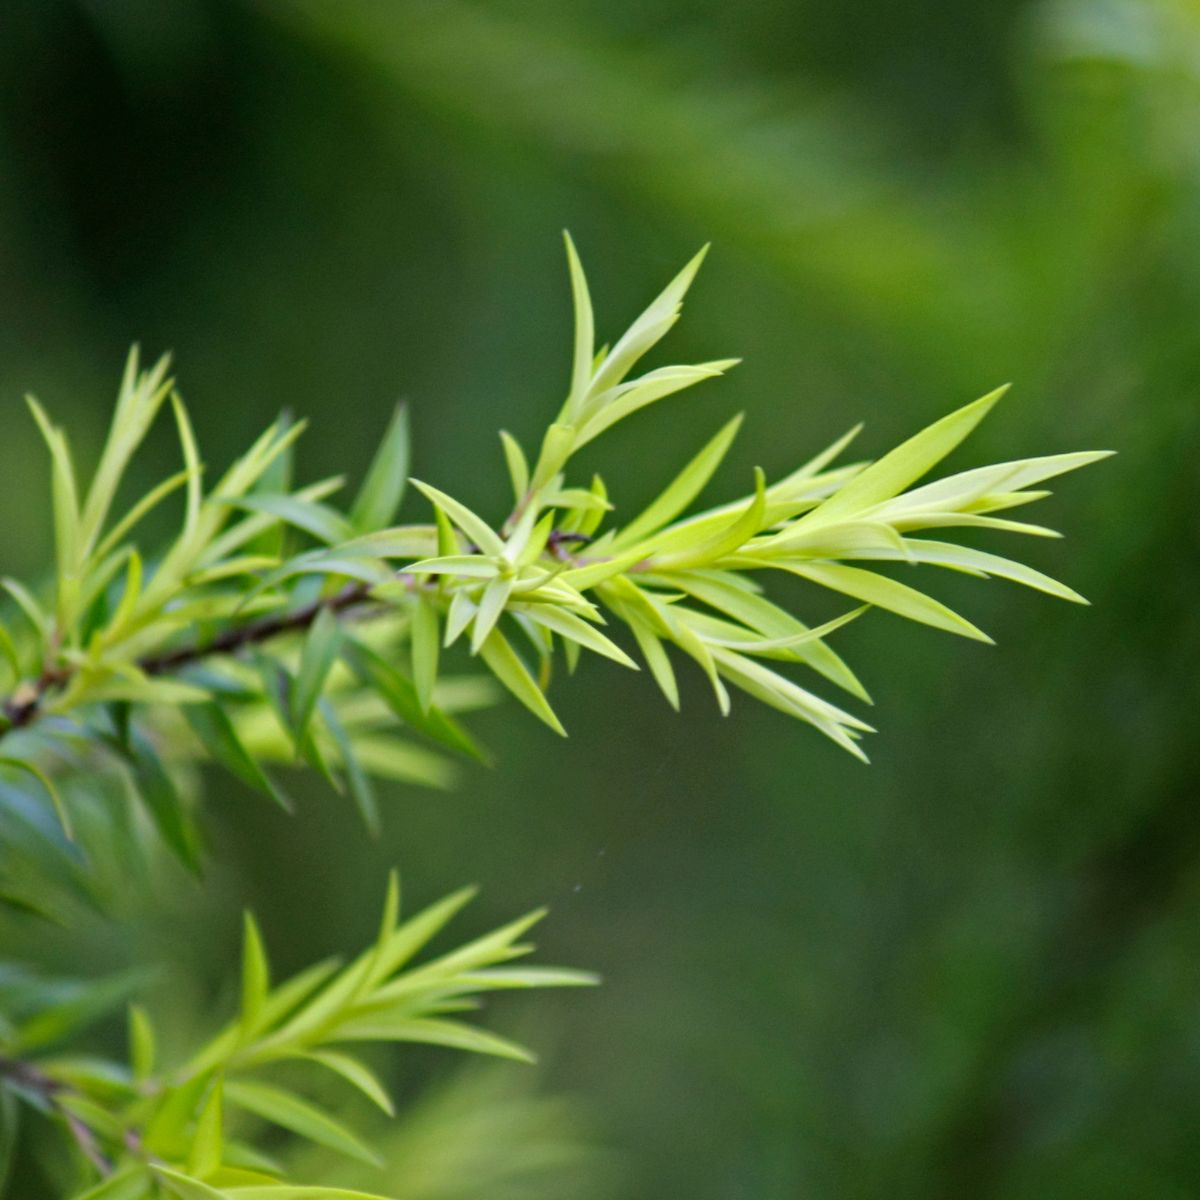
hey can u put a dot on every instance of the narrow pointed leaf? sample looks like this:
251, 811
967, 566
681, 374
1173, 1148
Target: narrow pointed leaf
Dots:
568, 625
213, 726
425, 649
29, 768
401, 696
491, 607
908, 462
357, 1074
475, 527
888, 593
299, 1116
256, 974
383, 489
682, 490
208, 1139
581, 369
361, 790
518, 465
320, 651
502, 659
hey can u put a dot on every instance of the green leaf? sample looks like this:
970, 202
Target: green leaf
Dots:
406, 940
28, 605
299, 1116
568, 625
425, 649
837, 540
167, 808
132, 685
401, 696
16, 900
355, 1073
746, 642
208, 1140
165, 1132
275, 480
458, 616
732, 536
503, 978
322, 522
586, 519
64, 817
227, 1176
908, 462
215, 729
258, 533
400, 541
473, 566
475, 527
656, 658
320, 651
290, 995
648, 329
682, 490
585, 348
502, 659
141, 1043
775, 690
692, 644
518, 465
448, 542
650, 388
947, 554
123, 617
141, 509
256, 975
491, 608
435, 1032
590, 574
184, 1187
191, 462
383, 489
67, 528
141, 396
361, 790
727, 593
328, 565
129, 1183
558, 443
801, 477
966, 487
887, 593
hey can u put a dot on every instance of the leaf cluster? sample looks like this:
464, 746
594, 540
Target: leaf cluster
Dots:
277, 628
145, 1128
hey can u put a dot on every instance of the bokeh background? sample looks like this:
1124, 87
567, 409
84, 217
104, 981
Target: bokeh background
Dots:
971, 969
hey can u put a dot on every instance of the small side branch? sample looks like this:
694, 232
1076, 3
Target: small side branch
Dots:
25, 705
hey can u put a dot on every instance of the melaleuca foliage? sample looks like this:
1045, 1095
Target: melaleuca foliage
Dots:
278, 628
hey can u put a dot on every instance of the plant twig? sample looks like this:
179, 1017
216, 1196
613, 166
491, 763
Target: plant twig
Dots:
24, 706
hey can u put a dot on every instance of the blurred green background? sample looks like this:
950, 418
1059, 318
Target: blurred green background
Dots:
971, 969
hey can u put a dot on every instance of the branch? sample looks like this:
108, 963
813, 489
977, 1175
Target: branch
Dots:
25, 705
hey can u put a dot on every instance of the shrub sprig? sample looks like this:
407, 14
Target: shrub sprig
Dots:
278, 628
333, 653
145, 1128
